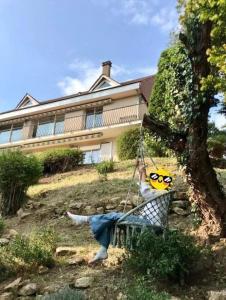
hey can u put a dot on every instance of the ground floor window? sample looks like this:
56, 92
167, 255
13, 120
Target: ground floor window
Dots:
92, 156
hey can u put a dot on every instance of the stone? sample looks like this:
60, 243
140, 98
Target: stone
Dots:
21, 214
13, 285
121, 296
75, 261
174, 298
43, 270
12, 233
180, 211
110, 207
62, 251
7, 296
84, 282
76, 205
28, 290
100, 210
181, 195
180, 203
217, 295
128, 203
90, 210
4, 241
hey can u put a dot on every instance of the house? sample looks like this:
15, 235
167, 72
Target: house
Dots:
90, 121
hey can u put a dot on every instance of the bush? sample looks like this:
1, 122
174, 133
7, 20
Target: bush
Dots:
17, 173
128, 143
139, 290
105, 167
60, 160
65, 294
217, 145
155, 147
38, 249
172, 257
24, 253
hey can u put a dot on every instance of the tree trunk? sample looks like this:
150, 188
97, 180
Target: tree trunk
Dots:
205, 189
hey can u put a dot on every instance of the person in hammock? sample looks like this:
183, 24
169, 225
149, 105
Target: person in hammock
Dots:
102, 224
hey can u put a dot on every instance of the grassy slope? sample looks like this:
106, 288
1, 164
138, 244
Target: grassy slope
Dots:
49, 201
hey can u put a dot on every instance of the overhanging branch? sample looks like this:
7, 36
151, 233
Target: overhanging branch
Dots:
174, 140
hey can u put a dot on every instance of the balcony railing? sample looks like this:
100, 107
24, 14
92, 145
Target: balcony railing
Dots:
92, 119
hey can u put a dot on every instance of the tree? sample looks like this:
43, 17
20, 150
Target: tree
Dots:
190, 74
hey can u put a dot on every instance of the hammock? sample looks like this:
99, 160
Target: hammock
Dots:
148, 212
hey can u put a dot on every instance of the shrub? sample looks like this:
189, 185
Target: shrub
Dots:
172, 256
60, 160
38, 249
139, 290
155, 147
65, 294
17, 173
127, 144
105, 167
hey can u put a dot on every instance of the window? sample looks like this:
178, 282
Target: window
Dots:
91, 157
94, 118
11, 133
49, 126
17, 133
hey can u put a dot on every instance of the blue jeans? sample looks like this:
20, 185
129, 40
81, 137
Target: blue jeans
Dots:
101, 225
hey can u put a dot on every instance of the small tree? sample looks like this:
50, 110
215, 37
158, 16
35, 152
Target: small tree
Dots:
17, 173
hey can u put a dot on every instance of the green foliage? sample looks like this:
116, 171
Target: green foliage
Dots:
171, 257
171, 97
141, 290
2, 225
156, 147
213, 11
60, 160
105, 167
65, 294
17, 173
38, 249
216, 141
24, 253
127, 144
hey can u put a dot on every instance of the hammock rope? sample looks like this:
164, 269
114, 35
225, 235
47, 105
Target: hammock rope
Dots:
151, 211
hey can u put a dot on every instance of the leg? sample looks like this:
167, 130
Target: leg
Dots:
101, 226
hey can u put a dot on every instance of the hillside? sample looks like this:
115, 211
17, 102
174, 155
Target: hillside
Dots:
81, 191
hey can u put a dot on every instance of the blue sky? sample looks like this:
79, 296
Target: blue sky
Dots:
50, 48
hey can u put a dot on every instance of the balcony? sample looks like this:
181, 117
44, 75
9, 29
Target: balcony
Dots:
73, 123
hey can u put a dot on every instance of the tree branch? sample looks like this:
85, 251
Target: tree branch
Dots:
174, 140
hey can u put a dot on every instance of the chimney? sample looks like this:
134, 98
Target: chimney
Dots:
106, 68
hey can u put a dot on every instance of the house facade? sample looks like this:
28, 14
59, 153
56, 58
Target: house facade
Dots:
90, 121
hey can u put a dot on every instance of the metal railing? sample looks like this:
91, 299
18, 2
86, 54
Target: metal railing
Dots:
92, 119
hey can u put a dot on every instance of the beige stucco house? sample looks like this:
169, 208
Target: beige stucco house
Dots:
90, 120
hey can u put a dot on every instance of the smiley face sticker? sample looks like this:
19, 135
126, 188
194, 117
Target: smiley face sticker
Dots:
160, 179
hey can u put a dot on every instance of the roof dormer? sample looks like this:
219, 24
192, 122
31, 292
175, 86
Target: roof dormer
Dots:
104, 81
27, 101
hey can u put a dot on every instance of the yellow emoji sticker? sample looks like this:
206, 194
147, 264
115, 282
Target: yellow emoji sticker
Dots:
160, 179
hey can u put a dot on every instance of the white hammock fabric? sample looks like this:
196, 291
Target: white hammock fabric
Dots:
149, 213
